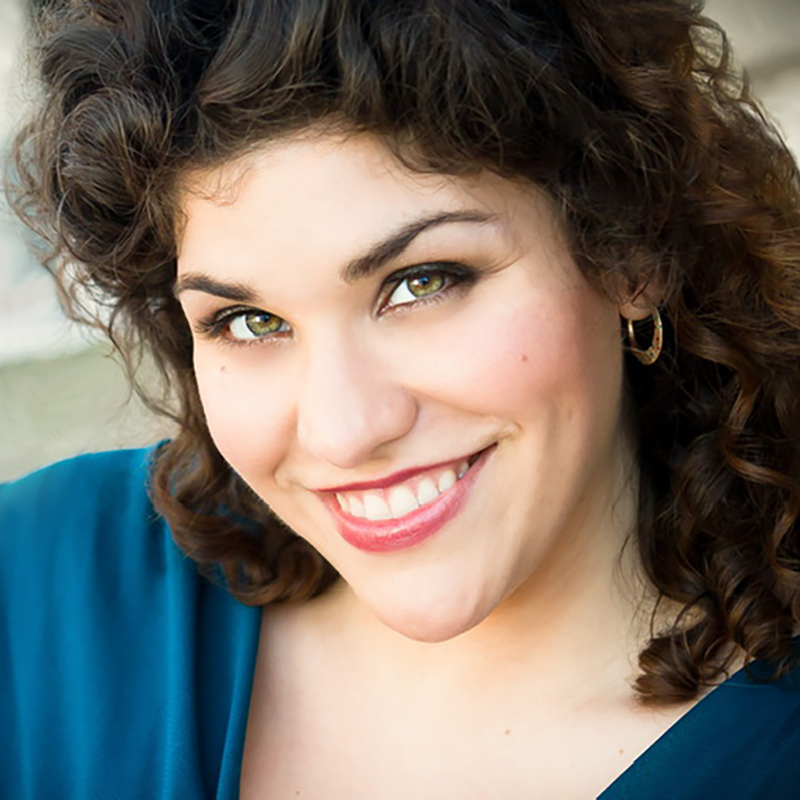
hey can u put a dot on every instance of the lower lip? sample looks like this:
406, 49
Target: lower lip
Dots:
385, 536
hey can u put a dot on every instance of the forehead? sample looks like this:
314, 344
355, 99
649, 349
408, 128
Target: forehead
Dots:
315, 198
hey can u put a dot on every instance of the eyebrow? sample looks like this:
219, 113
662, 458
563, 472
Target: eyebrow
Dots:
362, 267
198, 282
394, 244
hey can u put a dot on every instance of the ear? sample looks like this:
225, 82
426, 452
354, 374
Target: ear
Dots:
639, 302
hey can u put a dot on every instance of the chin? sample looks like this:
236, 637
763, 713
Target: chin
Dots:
433, 620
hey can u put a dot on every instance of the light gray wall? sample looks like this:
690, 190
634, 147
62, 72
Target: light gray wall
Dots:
766, 39
60, 393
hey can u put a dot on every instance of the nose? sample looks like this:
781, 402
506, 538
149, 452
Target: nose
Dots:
349, 406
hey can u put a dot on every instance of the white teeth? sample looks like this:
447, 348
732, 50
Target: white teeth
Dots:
447, 480
356, 506
375, 507
402, 501
426, 491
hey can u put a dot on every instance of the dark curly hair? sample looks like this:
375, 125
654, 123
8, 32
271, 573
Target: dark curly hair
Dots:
627, 112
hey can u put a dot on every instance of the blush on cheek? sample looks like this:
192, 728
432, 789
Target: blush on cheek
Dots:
552, 347
521, 356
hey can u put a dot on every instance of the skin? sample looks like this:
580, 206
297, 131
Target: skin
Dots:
531, 575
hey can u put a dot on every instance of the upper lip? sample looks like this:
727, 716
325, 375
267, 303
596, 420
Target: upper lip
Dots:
397, 477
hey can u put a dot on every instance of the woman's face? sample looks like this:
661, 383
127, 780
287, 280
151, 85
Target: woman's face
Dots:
410, 370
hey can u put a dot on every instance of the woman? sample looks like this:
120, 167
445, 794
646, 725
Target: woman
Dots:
482, 325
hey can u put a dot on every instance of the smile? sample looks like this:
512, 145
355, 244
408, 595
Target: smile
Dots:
402, 499
383, 518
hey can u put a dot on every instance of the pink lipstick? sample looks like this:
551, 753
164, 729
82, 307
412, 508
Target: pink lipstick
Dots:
411, 529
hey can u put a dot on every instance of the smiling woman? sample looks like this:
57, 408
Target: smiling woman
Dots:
373, 308
482, 325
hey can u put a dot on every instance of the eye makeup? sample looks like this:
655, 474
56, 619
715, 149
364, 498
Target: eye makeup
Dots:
400, 292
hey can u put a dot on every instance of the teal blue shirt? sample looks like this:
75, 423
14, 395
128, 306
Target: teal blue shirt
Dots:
123, 674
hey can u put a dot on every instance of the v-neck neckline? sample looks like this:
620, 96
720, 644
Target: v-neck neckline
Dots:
701, 708
652, 752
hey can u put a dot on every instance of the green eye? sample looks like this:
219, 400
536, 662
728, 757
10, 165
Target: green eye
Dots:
416, 287
425, 284
255, 325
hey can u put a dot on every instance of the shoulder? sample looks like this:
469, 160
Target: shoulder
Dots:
76, 514
76, 487
741, 741
80, 541
111, 642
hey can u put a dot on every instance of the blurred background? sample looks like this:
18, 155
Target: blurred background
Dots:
62, 392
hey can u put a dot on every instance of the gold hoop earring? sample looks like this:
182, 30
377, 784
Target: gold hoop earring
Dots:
649, 356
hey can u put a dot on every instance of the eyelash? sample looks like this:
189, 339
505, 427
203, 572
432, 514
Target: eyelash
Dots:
457, 276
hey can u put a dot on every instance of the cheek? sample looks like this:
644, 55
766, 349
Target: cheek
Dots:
538, 362
245, 413
554, 350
